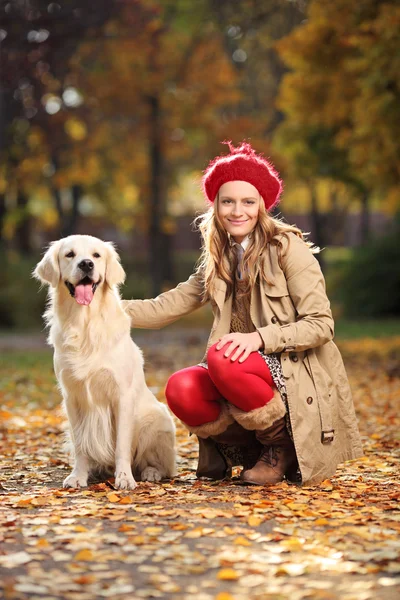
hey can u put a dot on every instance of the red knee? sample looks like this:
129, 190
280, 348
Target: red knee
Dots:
192, 396
217, 362
180, 392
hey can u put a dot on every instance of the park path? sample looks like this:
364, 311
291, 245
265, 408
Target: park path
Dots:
187, 538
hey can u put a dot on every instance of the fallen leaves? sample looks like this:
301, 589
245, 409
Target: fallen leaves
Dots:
228, 575
190, 538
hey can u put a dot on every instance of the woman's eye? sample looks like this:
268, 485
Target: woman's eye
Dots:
96, 255
70, 254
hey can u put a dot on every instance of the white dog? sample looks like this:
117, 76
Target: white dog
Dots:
114, 419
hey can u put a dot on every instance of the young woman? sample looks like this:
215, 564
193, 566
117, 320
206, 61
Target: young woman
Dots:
271, 393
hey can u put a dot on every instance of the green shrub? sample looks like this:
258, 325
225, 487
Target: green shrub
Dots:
22, 300
370, 282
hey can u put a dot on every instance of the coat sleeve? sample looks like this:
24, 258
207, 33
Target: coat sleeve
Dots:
314, 324
167, 307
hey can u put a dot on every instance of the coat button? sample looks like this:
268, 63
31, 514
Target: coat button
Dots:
309, 400
274, 319
294, 357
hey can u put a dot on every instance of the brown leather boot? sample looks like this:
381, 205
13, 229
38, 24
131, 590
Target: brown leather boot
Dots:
219, 453
277, 456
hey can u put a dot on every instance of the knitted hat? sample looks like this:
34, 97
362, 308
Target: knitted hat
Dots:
243, 164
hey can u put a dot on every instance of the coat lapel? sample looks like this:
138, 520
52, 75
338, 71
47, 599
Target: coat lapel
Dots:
220, 293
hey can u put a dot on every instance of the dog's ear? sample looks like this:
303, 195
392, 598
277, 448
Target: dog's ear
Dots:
115, 274
48, 270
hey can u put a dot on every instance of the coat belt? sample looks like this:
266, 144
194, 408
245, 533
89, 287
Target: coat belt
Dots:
321, 390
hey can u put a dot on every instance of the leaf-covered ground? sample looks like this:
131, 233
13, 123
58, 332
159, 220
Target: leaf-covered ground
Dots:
196, 539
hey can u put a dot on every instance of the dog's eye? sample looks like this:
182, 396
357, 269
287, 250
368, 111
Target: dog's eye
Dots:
70, 254
96, 255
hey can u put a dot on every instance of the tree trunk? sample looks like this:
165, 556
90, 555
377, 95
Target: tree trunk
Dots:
24, 226
334, 224
68, 221
316, 224
70, 225
159, 243
3, 212
364, 218
59, 207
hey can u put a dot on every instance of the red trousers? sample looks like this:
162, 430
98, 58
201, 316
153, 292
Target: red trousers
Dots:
193, 393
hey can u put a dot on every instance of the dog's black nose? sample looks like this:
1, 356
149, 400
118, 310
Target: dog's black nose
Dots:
86, 265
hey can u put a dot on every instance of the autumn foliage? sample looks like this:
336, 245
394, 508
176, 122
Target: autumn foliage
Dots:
189, 538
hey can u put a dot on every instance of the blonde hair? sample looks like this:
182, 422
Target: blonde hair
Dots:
218, 255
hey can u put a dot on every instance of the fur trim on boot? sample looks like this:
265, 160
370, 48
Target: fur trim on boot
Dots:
213, 427
260, 418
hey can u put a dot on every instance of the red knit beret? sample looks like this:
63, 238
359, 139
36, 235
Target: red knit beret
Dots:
243, 164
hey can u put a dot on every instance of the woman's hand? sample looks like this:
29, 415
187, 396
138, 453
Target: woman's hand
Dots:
241, 344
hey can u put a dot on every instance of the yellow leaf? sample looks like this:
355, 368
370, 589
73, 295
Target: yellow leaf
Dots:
113, 497
293, 544
224, 596
126, 500
254, 521
194, 533
242, 541
24, 502
123, 528
326, 485
321, 521
80, 529
153, 530
42, 543
5, 414
85, 554
137, 540
179, 526
228, 575
85, 579
296, 506
39, 501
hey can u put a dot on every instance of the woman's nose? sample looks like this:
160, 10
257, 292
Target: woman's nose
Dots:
237, 210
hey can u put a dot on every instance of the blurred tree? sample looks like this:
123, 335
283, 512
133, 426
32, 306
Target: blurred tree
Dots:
164, 74
250, 29
114, 101
345, 84
37, 40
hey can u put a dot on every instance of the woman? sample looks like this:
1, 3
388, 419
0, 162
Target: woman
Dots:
272, 393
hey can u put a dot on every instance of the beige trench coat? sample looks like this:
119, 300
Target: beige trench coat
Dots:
294, 319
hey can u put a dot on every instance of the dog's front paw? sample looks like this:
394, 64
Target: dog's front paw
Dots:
75, 481
124, 481
150, 474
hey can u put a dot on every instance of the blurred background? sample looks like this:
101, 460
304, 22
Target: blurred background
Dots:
110, 110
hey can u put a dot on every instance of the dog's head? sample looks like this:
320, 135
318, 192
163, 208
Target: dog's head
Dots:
82, 263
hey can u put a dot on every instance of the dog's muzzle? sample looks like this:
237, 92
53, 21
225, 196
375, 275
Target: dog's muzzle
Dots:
83, 291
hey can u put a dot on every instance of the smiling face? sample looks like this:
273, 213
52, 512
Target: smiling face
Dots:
238, 205
82, 261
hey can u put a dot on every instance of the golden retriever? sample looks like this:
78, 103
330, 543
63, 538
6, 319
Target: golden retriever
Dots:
114, 419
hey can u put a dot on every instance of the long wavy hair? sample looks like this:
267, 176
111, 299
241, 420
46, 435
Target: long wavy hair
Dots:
218, 256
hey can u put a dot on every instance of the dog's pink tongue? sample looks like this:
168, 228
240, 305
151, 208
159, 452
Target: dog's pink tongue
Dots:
84, 294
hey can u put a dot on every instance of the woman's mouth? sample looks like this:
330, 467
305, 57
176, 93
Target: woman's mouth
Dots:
234, 222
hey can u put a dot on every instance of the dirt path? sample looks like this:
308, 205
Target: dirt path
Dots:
187, 538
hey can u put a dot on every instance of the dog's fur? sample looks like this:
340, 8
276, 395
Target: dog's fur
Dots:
114, 419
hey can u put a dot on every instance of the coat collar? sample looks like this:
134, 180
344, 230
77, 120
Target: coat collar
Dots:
244, 243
